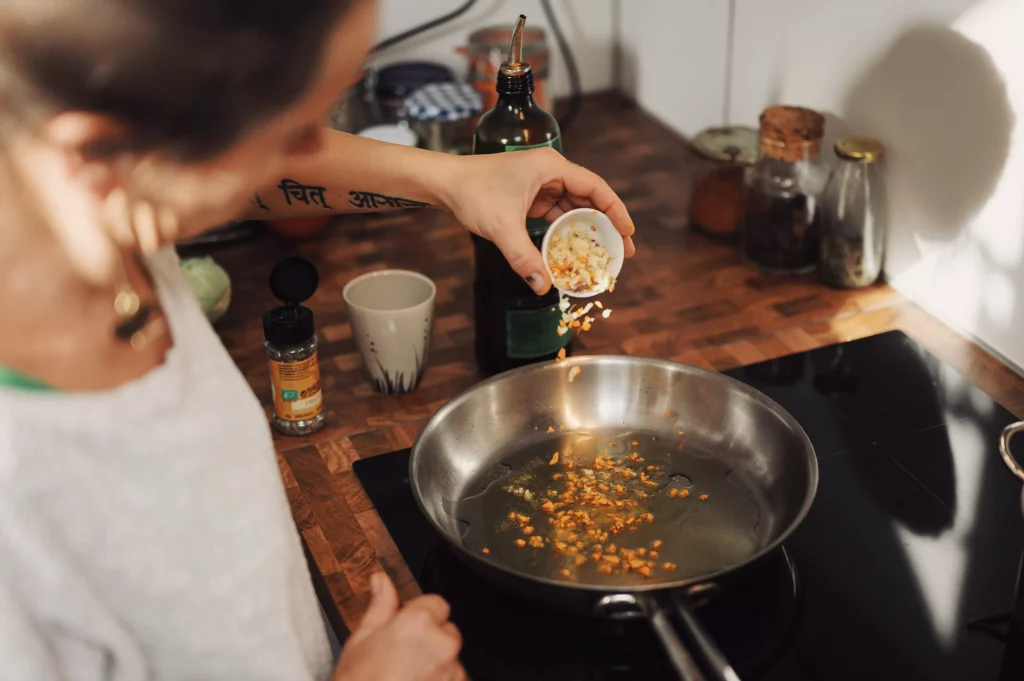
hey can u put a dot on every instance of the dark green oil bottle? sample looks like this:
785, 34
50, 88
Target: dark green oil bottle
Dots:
514, 326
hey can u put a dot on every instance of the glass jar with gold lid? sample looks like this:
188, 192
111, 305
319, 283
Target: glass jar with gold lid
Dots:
852, 220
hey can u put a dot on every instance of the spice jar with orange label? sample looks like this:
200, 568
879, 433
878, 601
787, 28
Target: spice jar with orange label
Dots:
723, 155
290, 342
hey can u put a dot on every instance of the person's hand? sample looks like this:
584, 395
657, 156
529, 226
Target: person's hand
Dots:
493, 194
414, 642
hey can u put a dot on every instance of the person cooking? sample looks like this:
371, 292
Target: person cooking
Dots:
144, 529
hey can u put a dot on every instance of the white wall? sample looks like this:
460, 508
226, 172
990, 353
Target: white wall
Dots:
673, 59
957, 244
588, 25
940, 82
812, 52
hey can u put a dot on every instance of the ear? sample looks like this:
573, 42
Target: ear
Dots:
82, 137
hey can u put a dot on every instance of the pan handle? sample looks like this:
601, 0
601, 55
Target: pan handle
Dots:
1004, 448
720, 668
625, 606
681, 658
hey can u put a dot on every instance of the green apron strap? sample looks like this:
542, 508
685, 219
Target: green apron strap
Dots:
16, 379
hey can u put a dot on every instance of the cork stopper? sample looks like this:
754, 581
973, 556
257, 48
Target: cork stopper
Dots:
791, 133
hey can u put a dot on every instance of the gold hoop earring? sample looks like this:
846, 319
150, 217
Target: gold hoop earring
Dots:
133, 313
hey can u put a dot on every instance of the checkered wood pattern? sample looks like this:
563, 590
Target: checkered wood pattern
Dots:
682, 297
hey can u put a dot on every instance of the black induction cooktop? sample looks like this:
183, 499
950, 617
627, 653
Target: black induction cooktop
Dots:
907, 567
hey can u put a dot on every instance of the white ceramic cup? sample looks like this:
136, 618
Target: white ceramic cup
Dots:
392, 312
604, 234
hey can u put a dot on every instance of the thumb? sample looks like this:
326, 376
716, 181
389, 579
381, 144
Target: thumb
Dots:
383, 606
514, 243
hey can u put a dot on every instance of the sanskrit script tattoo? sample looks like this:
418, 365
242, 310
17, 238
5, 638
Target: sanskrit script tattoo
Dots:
258, 202
370, 200
306, 193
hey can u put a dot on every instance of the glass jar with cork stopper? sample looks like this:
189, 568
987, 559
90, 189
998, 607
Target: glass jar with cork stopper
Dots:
779, 231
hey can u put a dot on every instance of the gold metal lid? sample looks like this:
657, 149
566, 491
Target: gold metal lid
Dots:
514, 64
860, 149
732, 144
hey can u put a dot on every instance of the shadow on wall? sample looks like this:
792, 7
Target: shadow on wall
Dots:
941, 107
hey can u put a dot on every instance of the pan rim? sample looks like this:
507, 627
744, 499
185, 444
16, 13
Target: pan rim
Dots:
772, 405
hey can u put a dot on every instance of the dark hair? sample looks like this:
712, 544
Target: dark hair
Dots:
186, 76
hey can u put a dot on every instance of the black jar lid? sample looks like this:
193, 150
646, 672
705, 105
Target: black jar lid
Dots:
292, 281
398, 81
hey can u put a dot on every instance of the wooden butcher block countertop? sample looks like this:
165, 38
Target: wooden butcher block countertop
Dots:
682, 297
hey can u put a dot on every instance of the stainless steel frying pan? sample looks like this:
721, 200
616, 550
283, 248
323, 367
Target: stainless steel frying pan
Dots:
737, 442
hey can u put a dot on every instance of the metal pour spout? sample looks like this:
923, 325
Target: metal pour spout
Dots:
514, 64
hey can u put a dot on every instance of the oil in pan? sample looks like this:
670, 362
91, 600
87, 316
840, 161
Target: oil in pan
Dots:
612, 509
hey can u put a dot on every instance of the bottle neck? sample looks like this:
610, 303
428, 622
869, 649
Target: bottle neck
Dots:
516, 104
520, 86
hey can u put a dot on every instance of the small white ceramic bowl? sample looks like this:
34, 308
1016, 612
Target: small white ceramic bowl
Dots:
606, 236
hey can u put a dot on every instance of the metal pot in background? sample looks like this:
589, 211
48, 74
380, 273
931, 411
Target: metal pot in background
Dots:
377, 97
1011, 462
354, 111
443, 116
395, 82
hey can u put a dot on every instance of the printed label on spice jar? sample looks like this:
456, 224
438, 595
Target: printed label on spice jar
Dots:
296, 387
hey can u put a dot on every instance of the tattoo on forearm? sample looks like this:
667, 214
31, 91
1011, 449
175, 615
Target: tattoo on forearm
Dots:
258, 202
370, 200
305, 193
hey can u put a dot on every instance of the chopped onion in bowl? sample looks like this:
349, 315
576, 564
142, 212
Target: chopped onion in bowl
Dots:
577, 262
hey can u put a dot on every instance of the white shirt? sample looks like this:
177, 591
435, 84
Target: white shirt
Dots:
145, 534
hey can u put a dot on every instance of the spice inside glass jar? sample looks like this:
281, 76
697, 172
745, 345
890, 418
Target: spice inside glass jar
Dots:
779, 229
853, 218
723, 156
290, 342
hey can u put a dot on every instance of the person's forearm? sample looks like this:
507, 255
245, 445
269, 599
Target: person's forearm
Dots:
352, 174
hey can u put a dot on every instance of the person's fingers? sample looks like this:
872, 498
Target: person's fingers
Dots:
450, 672
168, 222
514, 243
147, 230
117, 218
434, 642
566, 204
580, 201
452, 631
383, 606
553, 214
583, 184
433, 605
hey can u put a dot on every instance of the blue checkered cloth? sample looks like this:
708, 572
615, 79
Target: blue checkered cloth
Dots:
443, 102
